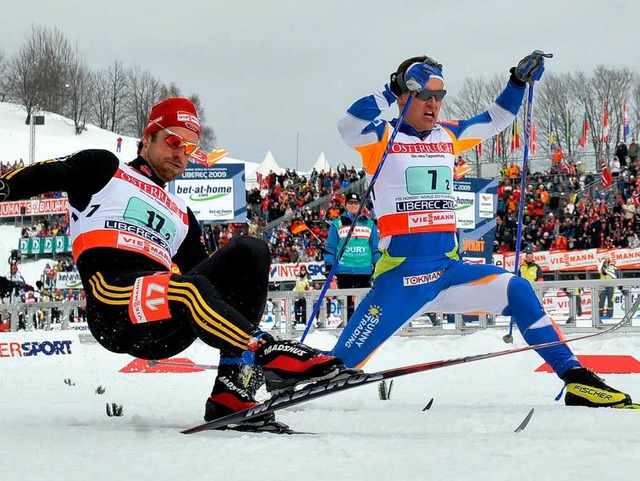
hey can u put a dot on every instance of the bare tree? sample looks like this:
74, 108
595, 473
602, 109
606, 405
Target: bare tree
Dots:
495, 86
4, 73
171, 90
635, 94
143, 92
207, 139
477, 94
23, 82
612, 87
555, 98
587, 105
468, 103
471, 99
99, 112
117, 78
79, 87
40, 70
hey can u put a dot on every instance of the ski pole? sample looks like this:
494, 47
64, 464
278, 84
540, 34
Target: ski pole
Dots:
508, 338
159, 362
365, 198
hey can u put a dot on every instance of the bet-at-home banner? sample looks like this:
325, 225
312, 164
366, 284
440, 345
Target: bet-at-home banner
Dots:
476, 218
214, 194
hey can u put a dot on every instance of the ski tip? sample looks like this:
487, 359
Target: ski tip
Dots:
628, 406
249, 430
525, 421
428, 406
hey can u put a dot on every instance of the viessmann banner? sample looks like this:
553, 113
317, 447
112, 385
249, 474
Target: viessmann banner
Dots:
576, 260
214, 194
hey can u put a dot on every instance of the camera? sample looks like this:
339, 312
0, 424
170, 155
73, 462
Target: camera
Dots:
14, 257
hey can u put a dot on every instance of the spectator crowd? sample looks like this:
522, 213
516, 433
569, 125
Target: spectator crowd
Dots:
566, 208
299, 208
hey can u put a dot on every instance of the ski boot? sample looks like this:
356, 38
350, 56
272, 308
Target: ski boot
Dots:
287, 363
233, 391
585, 388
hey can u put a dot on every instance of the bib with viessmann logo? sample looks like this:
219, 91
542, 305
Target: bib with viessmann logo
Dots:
417, 181
131, 213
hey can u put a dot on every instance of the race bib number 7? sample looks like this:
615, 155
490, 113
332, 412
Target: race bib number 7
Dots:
436, 179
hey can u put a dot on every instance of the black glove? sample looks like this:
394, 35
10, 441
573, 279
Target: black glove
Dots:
4, 190
531, 67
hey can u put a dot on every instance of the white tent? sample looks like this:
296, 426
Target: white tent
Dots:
269, 164
321, 164
249, 169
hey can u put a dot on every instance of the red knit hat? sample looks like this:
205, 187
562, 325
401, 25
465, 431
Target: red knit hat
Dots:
173, 112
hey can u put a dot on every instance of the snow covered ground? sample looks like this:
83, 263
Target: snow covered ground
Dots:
51, 430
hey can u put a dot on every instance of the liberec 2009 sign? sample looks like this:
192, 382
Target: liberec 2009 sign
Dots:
214, 194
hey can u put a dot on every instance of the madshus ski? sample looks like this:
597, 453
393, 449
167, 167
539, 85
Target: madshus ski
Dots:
342, 383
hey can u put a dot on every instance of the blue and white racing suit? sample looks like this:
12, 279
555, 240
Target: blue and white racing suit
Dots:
420, 270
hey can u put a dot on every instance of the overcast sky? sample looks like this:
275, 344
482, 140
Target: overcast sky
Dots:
270, 71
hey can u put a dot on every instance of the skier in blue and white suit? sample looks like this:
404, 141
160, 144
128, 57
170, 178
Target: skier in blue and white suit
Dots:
420, 270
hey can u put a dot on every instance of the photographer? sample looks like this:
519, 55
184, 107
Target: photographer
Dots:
607, 271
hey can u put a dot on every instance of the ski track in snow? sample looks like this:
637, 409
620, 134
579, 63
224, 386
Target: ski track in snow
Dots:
54, 431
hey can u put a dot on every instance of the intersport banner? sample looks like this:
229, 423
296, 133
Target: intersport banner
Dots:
575, 260
52, 347
214, 194
289, 271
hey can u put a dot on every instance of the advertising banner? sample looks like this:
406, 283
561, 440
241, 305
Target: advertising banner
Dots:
68, 280
44, 245
33, 207
475, 218
575, 260
39, 346
214, 194
289, 272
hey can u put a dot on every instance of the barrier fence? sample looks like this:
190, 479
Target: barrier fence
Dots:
283, 309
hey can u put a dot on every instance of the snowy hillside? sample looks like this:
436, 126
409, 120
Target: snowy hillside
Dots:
53, 139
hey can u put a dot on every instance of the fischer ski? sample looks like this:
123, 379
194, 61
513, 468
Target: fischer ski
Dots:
341, 383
